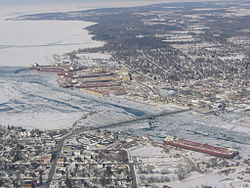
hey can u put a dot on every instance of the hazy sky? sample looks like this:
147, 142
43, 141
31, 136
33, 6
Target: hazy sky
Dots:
18, 7
33, 2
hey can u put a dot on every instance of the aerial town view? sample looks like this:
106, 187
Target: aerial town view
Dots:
125, 94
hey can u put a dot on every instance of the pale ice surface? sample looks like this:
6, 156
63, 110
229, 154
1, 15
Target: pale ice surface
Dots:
41, 120
12, 11
34, 100
218, 131
23, 43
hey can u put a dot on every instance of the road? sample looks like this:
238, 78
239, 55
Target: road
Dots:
132, 171
118, 124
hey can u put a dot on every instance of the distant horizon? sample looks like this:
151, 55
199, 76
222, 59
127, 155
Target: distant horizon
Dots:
32, 2
43, 2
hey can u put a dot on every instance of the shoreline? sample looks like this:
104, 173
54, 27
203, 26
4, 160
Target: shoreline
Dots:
31, 45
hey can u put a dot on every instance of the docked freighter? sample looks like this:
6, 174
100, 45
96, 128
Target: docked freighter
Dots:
47, 68
64, 83
200, 147
97, 85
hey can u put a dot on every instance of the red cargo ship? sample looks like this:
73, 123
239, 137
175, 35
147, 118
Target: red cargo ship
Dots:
66, 74
203, 148
63, 83
47, 68
34, 67
92, 75
97, 85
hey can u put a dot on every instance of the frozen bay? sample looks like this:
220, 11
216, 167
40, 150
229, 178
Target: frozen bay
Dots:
34, 100
23, 43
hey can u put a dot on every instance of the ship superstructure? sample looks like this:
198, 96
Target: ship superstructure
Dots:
95, 80
47, 68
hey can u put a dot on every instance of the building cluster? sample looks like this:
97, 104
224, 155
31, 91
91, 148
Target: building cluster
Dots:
97, 159
208, 95
106, 140
79, 167
93, 159
194, 55
161, 77
101, 158
25, 157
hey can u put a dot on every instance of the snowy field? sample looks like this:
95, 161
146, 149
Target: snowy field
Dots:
185, 169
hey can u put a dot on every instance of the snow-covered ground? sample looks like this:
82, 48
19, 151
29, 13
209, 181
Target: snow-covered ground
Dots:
159, 166
195, 127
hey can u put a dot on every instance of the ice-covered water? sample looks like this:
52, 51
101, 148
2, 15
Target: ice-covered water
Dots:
23, 43
211, 130
34, 99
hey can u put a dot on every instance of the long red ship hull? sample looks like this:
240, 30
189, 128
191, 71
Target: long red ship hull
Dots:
63, 84
65, 74
33, 68
203, 148
97, 85
47, 68
93, 75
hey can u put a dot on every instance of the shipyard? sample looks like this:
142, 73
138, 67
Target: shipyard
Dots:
154, 95
99, 81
